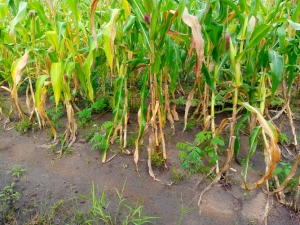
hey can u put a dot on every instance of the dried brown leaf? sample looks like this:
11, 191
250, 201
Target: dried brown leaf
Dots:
193, 23
187, 107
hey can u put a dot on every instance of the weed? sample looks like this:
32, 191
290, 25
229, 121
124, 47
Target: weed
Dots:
8, 200
283, 171
99, 105
55, 114
243, 162
177, 175
184, 210
157, 159
85, 116
282, 138
88, 160
23, 126
100, 210
17, 171
204, 146
190, 124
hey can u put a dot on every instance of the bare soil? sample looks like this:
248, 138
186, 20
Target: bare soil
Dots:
49, 179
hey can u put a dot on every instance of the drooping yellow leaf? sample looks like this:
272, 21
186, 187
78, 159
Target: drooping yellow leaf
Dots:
271, 147
126, 8
16, 72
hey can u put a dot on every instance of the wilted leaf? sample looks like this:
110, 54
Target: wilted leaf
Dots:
271, 146
192, 22
92, 17
187, 107
16, 72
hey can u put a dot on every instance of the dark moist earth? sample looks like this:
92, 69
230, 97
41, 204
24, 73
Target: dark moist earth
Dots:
51, 183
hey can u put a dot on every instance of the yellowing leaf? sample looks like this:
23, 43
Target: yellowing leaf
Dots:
16, 72
56, 79
109, 34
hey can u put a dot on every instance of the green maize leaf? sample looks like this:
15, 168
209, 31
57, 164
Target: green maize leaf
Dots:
243, 6
296, 13
56, 73
253, 144
222, 13
73, 4
69, 68
81, 76
140, 12
258, 34
21, 14
71, 48
182, 5
12, 5
53, 39
129, 24
237, 127
37, 6
87, 72
232, 52
233, 6
154, 28
3, 10
254, 8
53, 56
138, 9
38, 87
277, 66
281, 37
295, 26
207, 77
109, 34
263, 58
61, 26
293, 57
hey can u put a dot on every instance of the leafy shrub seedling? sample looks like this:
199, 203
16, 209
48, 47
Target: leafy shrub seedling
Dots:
193, 153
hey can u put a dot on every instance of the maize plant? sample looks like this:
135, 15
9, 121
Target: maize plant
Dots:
237, 56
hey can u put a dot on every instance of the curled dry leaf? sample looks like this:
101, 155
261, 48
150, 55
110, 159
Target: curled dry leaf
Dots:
192, 22
16, 73
288, 178
174, 113
272, 149
71, 131
187, 107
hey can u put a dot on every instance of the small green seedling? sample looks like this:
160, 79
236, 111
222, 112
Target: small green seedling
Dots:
17, 171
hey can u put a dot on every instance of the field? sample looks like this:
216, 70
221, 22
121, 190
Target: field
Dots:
132, 112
